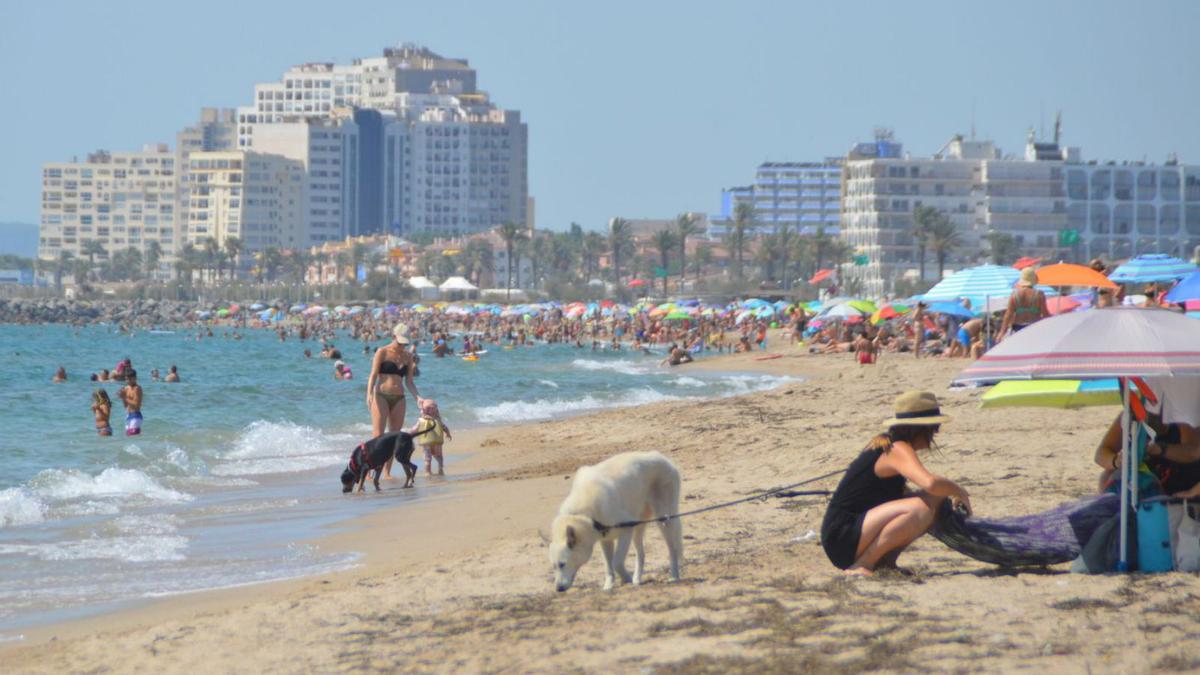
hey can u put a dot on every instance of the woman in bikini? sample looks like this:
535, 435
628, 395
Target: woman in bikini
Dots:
1026, 305
102, 407
391, 371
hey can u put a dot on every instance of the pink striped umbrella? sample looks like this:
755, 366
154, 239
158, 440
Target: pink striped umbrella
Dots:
1101, 343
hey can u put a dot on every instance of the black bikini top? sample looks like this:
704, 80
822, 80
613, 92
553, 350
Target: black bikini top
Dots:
390, 368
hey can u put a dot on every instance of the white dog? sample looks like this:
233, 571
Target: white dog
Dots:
628, 486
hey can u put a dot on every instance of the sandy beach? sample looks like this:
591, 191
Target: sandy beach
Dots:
461, 583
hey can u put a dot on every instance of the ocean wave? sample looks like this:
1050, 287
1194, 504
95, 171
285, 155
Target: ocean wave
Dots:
541, 409
689, 382
548, 383
279, 447
622, 366
60, 485
18, 507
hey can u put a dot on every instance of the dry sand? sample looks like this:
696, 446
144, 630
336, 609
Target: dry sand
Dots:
468, 588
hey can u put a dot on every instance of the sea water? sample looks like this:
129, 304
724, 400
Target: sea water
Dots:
239, 462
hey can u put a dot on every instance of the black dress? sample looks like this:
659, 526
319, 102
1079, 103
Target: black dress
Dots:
860, 491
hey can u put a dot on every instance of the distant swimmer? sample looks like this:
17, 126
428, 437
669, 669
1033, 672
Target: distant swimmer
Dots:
676, 355
172, 374
131, 396
60, 375
102, 407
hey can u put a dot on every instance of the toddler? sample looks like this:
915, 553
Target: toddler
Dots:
431, 432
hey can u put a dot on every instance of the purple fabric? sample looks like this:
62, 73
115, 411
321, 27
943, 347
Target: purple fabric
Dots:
1046, 538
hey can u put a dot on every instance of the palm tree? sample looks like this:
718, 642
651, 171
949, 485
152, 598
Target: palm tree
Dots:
593, 248
703, 257
783, 241
801, 250
298, 261
685, 226
539, 252
925, 220
212, 253
743, 222
60, 265
233, 249
664, 241
92, 248
269, 261
479, 259
620, 236
511, 233
821, 243
152, 257
185, 262
131, 264
943, 240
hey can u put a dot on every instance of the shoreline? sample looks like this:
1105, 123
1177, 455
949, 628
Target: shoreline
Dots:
342, 536
462, 583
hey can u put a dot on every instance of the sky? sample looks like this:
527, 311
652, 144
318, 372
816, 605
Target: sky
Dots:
635, 109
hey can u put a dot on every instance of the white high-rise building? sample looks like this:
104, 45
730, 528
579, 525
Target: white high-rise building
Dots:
256, 197
327, 148
436, 155
118, 200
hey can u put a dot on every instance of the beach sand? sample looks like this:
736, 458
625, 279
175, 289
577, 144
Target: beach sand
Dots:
462, 584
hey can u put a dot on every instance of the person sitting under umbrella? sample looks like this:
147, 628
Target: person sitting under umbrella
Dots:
1173, 456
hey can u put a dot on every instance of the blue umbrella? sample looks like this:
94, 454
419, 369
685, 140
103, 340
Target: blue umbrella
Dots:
1188, 289
755, 303
1152, 267
952, 309
975, 283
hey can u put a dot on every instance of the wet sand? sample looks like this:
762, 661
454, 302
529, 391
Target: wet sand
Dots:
461, 583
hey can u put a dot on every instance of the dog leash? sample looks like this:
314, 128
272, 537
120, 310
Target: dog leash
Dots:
779, 491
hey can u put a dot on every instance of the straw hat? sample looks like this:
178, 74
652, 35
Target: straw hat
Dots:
401, 333
916, 408
1028, 277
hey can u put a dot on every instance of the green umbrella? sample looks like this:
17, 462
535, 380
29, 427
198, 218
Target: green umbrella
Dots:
677, 314
1052, 394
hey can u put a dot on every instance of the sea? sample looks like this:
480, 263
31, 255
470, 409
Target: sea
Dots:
236, 470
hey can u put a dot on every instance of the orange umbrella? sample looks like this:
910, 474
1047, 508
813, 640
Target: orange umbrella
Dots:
1066, 274
820, 276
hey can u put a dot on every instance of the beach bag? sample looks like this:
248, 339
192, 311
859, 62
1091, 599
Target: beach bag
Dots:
1154, 538
1185, 541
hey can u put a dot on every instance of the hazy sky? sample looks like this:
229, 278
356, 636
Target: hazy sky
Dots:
637, 109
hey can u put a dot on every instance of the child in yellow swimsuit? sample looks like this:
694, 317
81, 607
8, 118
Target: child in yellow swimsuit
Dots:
431, 432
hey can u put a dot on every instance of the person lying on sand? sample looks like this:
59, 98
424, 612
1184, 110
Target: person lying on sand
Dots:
871, 518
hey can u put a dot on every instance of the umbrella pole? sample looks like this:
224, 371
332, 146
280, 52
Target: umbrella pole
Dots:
1126, 474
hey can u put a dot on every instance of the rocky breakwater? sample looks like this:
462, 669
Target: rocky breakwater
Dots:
129, 312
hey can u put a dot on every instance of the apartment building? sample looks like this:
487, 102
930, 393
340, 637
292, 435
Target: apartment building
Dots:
117, 199
256, 197
803, 196
436, 156
216, 130
1114, 211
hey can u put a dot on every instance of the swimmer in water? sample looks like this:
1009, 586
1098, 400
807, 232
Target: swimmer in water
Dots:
172, 374
102, 408
131, 396
60, 375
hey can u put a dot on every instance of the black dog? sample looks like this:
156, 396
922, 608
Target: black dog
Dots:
374, 454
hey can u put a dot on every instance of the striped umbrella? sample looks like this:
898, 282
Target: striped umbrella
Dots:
1152, 267
975, 283
1102, 343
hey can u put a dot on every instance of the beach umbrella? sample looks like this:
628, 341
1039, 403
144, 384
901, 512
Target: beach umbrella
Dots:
1188, 289
1062, 304
976, 283
889, 312
755, 303
764, 312
258, 306
813, 306
298, 307
203, 314
222, 312
865, 306
636, 283
678, 315
235, 308
951, 309
1103, 343
1025, 261
821, 275
842, 311
1152, 267
743, 315
1066, 274
1052, 393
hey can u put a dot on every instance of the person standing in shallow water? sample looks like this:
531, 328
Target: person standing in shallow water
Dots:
871, 517
392, 372
102, 408
131, 396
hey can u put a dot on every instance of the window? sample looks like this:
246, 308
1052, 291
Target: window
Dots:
1101, 184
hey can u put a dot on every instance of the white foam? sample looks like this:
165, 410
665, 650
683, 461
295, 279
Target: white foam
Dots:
541, 409
622, 366
18, 507
549, 383
140, 548
689, 382
282, 447
57, 485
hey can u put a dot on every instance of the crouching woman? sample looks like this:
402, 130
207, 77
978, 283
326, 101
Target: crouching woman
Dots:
872, 517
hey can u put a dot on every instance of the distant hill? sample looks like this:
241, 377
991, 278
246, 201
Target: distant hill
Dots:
19, 239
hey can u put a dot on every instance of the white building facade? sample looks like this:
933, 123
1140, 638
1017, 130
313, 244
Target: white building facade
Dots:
119, 200
256, 197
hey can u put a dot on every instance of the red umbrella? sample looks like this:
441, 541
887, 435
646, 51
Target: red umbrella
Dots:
1060, 304
636, 283
820, 276
1026, 261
